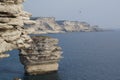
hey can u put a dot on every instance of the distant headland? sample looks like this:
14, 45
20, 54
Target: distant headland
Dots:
45, 25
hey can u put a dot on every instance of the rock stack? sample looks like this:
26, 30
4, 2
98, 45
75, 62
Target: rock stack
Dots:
42, 57
12, 19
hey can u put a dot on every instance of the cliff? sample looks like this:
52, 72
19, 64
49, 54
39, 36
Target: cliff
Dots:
12, 19
38, 54
44, 25
50, 25
75, 26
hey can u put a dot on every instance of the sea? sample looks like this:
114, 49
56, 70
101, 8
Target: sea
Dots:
86, 56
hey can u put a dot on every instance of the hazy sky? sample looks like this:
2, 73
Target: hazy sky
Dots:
105, 13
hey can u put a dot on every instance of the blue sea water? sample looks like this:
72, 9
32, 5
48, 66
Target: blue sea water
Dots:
87, 56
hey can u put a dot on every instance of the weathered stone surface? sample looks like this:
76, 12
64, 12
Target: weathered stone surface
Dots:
4, 46
11, 35
16, 22
42, 57
29, 22
25, 14
4, 55
12, 1
41, 69
4, 20
5, 26
12, 19
10, 10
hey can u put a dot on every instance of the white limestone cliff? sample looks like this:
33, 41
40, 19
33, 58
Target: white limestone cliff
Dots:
45, 25
12, 19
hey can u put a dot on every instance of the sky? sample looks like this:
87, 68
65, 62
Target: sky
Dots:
105, 13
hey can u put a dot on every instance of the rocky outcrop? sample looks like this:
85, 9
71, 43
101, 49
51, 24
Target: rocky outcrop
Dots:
50, 25
12, 19
42, 57
40, 54
45, 25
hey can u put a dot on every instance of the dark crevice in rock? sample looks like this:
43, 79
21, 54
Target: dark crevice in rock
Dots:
6, 14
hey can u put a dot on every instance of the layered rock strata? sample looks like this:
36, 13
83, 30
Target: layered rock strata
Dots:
42, 57
45, 25
12, 19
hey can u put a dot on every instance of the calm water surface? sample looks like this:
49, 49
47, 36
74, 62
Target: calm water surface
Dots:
87, 56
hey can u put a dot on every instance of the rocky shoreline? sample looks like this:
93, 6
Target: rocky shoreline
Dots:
46, 25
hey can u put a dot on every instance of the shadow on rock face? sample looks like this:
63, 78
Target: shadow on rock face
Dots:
49, 76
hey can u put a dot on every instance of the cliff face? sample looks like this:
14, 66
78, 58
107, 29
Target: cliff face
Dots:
46, 25
42, 57
50, 25
75, 26
12, 19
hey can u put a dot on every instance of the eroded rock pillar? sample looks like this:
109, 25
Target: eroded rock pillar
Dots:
42, 57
